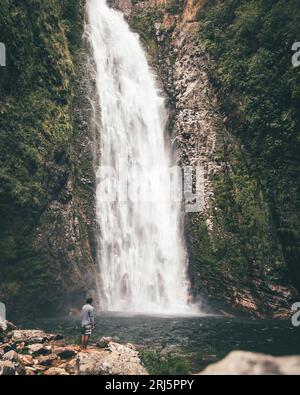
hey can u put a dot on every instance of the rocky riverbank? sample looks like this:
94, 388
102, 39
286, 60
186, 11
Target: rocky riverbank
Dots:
35, 352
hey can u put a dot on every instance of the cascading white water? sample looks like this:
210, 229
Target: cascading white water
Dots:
141, 253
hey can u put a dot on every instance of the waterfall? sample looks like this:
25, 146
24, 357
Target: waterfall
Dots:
141, 253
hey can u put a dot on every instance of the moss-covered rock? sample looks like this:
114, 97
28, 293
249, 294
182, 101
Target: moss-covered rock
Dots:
46, 176
236, 249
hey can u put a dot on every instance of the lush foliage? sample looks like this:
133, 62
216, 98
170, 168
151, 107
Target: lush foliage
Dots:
251, 44
36, 134
168, 364
36, 123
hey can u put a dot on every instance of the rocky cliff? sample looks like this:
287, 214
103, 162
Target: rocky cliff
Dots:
47, 185
236, 249
225, 114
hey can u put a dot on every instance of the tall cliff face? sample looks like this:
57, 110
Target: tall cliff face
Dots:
237, 254
47, 186
226, 114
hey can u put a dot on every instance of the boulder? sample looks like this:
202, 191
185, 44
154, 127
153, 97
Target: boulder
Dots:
38, 349
39, 368
7, 368
56, 372
65, 352
10, 326
119, 360
26, 360
47, 360
4, 348
27, 336
3, 326
11, 355
55, 337
103, 341
20, 346
249, 363
122, 349
93, 363
71, 366
29, 371
6, 326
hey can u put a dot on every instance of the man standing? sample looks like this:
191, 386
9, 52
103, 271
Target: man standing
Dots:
87, 322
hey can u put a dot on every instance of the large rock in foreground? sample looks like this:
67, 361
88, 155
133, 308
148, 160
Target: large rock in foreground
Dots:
116, 360
249, 363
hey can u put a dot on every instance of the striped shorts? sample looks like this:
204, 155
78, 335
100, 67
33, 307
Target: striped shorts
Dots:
87, 330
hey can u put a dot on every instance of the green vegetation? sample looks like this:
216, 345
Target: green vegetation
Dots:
36, 122
169, 364
251, 42
175, 7
255, 240
143, 23
256, 226
36, 132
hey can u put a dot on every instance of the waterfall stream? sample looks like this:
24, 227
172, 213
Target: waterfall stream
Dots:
141, 252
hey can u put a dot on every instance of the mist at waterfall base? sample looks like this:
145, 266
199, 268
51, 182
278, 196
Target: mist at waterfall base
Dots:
140, 247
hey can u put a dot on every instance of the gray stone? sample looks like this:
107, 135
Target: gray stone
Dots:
47, 360
56, 372
249, 363
38, 349
119, 360
4, 348
7, 368
11, 356
26, 360
64, 352
27, 336
104, 341
29, 371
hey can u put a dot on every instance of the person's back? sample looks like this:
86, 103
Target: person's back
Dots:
87, 315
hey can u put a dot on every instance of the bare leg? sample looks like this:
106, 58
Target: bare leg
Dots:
86, 341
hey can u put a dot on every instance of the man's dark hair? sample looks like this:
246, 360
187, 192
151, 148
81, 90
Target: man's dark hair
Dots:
89, 300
